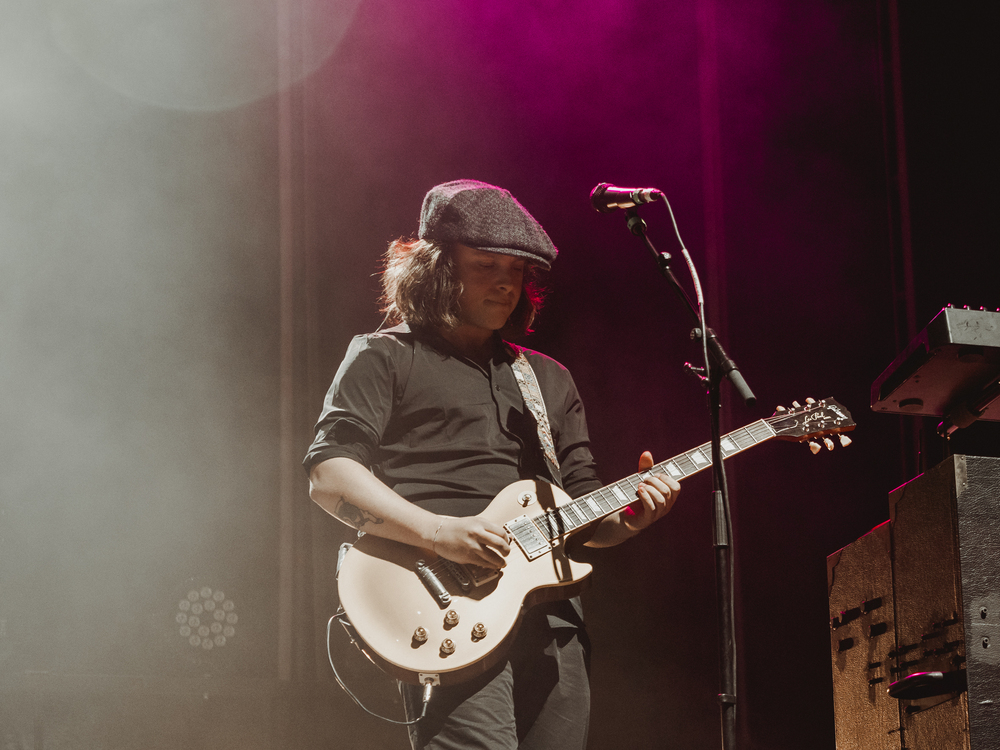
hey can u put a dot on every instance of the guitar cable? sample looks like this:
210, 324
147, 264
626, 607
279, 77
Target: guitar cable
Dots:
428, 686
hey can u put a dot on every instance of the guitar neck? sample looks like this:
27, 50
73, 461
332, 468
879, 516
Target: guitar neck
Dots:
612, 498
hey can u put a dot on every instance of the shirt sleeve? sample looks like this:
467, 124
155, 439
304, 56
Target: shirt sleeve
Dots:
359, 403
576, 462
569, 426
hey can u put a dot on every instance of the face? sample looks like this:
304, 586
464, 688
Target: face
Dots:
491, 285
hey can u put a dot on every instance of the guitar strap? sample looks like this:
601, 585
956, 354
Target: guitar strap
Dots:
532, 395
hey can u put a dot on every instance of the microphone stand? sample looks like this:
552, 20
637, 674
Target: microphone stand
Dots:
721, 366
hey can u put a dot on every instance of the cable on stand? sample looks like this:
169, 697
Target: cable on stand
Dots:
717, 365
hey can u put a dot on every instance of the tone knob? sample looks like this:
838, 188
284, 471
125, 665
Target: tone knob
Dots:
451, 618
478, 631
419, 635
447, 646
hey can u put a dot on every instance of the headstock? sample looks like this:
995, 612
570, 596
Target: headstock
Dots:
814, 421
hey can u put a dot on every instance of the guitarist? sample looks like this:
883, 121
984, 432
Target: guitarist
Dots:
425, 423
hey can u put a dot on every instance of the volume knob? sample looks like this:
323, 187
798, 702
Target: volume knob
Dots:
420, 635
447, 646
478, 631
451, 618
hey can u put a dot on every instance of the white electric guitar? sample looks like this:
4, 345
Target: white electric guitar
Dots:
422, 618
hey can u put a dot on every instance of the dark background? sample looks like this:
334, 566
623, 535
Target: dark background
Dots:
182, 270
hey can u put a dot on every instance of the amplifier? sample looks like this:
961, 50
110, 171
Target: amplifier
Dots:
915, 617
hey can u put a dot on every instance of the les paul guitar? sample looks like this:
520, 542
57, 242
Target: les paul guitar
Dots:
422, 618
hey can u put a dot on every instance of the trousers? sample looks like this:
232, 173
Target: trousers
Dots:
538, 699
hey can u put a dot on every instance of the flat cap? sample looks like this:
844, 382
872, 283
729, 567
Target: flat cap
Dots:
485, 217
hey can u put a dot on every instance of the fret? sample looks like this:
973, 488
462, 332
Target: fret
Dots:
601, 500
620, 495
594, 507
569, 519
593, 499
609, 497
760, 431
686, 465
562, 523
583, 510
700, 457
552, 524
743, 438
671, 468
570, 512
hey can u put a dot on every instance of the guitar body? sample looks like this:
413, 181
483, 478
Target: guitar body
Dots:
420, 617
387, 601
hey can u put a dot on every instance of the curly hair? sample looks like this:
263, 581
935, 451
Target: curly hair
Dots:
420, 287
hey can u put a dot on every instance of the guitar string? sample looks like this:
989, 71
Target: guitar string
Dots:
582, 511
561, 522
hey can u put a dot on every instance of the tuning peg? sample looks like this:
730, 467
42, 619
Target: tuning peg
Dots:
796, 404
814, 447
780, 408
828, 443
844, 440
810, 401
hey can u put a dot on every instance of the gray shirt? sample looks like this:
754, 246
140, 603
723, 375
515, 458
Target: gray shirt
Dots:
441, 430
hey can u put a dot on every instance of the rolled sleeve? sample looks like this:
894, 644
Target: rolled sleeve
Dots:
359, 403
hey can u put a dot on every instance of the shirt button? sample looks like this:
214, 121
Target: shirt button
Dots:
497, 387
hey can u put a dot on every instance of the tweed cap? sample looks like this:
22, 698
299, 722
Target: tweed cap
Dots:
485, 217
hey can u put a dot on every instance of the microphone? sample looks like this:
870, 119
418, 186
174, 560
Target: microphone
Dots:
606, 198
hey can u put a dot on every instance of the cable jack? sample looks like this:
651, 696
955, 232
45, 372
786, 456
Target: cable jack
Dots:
429, 681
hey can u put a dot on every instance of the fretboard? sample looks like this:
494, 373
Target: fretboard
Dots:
612, 498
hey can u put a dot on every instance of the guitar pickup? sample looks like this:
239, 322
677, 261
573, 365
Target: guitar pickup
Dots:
528, 537
470, 576
481, 575
458, 573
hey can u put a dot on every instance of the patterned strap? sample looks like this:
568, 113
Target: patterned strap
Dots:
532, 394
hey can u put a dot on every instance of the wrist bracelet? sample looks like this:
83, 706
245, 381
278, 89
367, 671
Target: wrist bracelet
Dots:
435, 538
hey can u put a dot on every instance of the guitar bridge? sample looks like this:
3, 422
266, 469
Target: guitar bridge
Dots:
433, 584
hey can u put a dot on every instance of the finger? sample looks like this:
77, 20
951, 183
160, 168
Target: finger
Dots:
651, 499
664, 484
490, 558
662, 492
496, 539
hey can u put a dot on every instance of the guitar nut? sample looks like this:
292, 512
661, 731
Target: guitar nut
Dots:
447, 646
478, 631
451, 618
420, 635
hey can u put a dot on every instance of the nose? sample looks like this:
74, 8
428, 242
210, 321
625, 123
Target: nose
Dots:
507, 277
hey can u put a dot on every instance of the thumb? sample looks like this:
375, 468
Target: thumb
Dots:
645, 461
